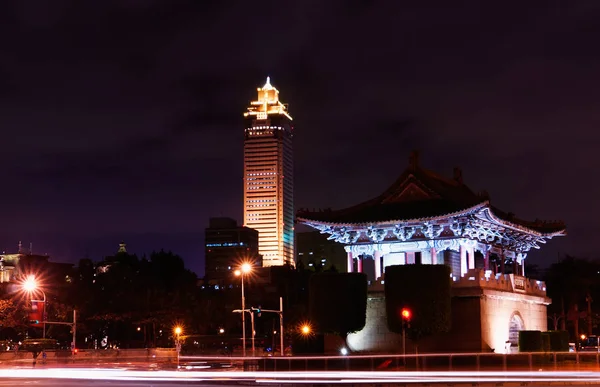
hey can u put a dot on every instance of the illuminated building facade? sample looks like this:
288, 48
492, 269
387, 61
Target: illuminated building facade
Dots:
226, 246
269, 176
424, 218
13, 267
314, 249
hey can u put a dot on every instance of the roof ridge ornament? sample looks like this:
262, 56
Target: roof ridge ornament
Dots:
413, 160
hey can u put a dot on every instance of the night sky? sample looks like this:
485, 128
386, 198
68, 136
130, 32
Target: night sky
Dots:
123, 119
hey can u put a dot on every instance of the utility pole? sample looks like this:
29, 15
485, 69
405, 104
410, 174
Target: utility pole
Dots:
563, 323
406, 315
273, 336
73, 326
404, 341
253, 332
281, 326
261, 310
251, 311
576, 322
74, 345
243, 320
588, 299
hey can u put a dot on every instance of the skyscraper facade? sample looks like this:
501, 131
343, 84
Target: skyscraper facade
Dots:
227, 246
269, 176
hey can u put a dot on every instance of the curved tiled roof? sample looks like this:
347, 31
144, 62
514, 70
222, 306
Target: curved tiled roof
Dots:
420, 193
541, 226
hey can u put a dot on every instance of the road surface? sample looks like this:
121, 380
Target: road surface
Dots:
114, 377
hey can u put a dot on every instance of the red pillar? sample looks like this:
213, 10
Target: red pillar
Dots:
359, 263
377, 258
350, 262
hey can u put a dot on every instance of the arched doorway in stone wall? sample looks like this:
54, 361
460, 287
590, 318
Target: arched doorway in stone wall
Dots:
515, 325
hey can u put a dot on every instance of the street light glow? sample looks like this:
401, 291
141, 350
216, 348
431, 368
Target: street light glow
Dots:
246, 268
178, 331
305, 329
30, 284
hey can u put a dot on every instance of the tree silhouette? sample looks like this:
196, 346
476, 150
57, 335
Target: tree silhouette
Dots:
571, 283
338, 302
429, 304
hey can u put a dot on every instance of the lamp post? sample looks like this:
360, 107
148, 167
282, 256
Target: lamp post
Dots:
244, 269
253, 332
30, 286
177, 331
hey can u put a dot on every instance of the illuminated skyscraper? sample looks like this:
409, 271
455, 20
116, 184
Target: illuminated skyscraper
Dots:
269, 176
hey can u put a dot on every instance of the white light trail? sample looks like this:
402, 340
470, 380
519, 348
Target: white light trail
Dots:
330, 377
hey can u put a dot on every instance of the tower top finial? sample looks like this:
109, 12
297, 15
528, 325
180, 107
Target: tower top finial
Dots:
122, 248
267, 102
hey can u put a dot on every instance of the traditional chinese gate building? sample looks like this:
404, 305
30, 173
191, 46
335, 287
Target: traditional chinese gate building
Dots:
424, 218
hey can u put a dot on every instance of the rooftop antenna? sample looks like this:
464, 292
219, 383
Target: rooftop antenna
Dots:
20, 247
268, 84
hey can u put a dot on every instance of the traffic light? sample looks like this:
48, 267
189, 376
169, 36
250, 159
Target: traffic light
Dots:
256, 310
406, 316
34, 322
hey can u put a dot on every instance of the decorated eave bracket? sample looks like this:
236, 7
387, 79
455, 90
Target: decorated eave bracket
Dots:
471, 227
340, 234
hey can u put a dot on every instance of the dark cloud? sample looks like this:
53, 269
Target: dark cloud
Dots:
125, 117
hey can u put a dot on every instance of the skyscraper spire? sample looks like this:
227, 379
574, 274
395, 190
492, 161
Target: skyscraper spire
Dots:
267, 103
268, 176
